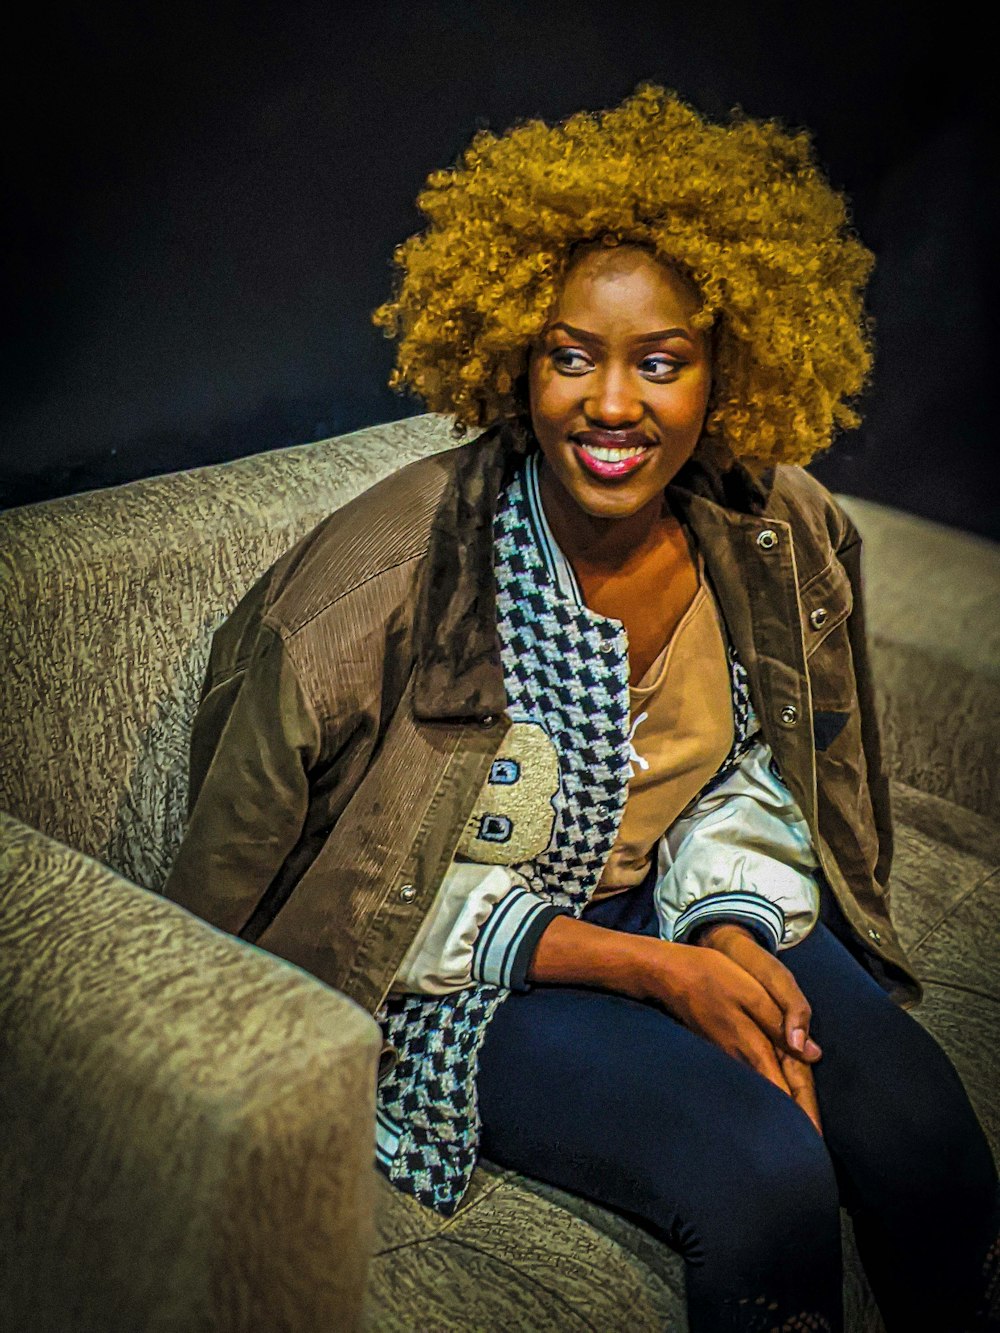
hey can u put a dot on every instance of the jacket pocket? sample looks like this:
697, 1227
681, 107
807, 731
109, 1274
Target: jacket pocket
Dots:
825, 602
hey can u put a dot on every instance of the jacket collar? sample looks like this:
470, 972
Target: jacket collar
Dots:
458, 673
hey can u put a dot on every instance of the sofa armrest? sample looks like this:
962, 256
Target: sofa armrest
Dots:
186, 1122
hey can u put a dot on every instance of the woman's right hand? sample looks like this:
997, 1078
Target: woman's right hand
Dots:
706, 991
720, 1000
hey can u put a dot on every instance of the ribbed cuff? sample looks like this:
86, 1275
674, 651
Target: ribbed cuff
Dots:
387, 1138
506, 942
757, 913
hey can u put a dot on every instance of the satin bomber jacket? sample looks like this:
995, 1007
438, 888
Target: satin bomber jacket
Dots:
353, 706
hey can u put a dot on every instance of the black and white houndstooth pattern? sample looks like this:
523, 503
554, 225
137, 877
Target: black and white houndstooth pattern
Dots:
566, 668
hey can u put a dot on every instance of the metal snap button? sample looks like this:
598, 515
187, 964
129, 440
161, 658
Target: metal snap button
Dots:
767, 539
488, 720
606, 646
407, 893
875, 936
789, 715
819, 617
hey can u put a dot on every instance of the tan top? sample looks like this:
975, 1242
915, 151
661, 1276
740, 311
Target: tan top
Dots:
682, 730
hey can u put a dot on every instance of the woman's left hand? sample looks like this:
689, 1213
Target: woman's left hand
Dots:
739, 945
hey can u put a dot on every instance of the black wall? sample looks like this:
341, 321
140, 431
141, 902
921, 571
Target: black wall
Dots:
204, 206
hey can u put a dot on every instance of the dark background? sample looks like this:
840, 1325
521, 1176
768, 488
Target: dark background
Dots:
204, 205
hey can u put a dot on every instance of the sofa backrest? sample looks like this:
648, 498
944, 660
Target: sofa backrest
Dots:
108, 604
932, 597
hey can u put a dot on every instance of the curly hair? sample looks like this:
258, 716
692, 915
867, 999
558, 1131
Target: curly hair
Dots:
742, 209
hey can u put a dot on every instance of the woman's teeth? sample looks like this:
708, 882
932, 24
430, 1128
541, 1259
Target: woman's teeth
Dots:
615, 455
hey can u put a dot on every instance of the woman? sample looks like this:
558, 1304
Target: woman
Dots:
558, 751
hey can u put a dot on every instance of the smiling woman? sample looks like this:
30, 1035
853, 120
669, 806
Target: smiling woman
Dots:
536, 753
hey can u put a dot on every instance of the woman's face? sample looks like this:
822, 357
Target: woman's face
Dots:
619, 382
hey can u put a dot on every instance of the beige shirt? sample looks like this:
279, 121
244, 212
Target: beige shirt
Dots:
682, 730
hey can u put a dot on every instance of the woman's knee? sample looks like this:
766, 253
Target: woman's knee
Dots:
774, 1193
897, 1109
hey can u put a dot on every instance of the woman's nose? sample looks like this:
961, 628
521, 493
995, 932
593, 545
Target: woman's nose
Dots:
613, 400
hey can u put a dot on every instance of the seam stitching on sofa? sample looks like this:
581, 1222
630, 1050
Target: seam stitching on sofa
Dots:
489, 1190
955, 907
448, 1223
962, 988
405, 1245
525, 1278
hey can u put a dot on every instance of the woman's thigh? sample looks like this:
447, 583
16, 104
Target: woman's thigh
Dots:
617, 1101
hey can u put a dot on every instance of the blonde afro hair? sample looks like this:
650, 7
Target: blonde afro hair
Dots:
742, 209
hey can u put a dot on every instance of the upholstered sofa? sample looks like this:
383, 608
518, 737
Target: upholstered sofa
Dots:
186, 1136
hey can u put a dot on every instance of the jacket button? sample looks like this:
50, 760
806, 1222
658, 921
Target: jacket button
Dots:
875, 936
789, 715
488, 720
606, 646
819, 617
767, 539
407, 893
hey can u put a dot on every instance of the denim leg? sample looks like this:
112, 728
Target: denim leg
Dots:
914, 1167
617, 1101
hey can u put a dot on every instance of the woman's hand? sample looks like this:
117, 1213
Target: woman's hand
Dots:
714, 995
742, 948
737, 943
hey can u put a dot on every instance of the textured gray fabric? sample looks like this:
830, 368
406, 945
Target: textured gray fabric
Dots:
186, 1130
933, 601
520, 1255
187, 1123
109, 601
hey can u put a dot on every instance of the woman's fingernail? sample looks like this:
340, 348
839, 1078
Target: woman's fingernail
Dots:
799, 1038
812, 1048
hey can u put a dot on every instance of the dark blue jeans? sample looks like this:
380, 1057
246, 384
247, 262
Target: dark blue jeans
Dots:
615, 1100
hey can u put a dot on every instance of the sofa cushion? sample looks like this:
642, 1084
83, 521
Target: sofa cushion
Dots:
187, 1122
932, 597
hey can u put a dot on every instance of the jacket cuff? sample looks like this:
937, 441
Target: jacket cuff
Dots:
508, 937
758, 914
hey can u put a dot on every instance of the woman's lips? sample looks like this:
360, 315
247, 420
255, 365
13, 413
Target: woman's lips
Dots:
612, 462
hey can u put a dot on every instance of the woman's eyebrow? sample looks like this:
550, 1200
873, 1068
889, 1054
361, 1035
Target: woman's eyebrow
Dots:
584, 336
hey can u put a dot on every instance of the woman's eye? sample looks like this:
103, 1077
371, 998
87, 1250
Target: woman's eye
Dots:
567, 358
660, 366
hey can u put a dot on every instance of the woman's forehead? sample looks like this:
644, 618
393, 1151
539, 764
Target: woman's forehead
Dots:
624, 286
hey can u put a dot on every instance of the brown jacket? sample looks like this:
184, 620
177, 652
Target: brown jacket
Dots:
354, 702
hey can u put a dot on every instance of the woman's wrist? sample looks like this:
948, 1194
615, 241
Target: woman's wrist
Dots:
572, 952
713, 934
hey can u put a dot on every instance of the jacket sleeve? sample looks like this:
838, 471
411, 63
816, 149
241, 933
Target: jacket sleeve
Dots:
483, 926
255, 738
741, 852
